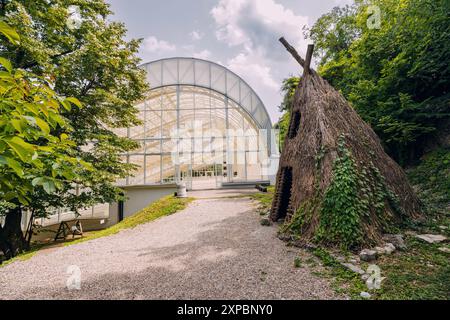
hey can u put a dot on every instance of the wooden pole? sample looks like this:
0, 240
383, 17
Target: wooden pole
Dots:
309, 54
292, 51
304, 63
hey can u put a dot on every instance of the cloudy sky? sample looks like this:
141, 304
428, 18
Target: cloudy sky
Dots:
239, 34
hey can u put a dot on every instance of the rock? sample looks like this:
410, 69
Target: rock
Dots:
396, 240
368, 255
310, 246
389, 248
444, 249
365, 276
354, 268
443, 227
365, 295
380, 250
431, 238
265, 222
284, 237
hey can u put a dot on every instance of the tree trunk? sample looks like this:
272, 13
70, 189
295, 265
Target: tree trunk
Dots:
12, 241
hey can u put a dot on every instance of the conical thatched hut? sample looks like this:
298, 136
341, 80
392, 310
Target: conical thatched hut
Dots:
336, 185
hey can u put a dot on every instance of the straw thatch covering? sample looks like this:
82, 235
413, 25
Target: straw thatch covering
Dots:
336, 185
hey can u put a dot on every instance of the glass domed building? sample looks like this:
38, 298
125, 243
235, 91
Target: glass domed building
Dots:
201, 124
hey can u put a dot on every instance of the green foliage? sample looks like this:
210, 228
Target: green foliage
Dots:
341, 209
397, 77
265, 198
301, 217
432, 177
283, 126
356, 194
297, 262
96, 65
288, 87
36, 154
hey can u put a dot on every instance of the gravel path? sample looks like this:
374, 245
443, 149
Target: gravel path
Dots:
214, 249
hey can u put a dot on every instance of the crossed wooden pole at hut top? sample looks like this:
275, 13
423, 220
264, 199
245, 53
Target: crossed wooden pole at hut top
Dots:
305, 63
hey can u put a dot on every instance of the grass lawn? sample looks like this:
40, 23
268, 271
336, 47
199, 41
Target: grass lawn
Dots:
264, 198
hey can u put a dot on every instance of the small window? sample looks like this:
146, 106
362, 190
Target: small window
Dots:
295, 124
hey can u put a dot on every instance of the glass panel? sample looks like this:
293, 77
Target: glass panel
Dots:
217, 101
153, 124
154, 74
169, 146
169, 125
153, 146
233, 86
186, 123
253, 166
187, 97
238, 172
120, 132
218, 78
246, 97
140, 149
169, 98
168, 169
218, 117
154, 100
170, 72
186, 71
141, 106
202, 77
202, 99
138, 131
203, 121
138, 175
185, 146
153, 169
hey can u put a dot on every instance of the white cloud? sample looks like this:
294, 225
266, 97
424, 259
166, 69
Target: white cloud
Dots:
254, 27
153, 45
257, 24
256, 73
204, 54
196, 35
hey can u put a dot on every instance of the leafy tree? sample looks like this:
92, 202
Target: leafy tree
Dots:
288, 89
397, 76
92, 62
36, 154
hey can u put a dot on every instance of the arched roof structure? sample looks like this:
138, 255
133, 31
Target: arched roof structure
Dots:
199, 120
208, 75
